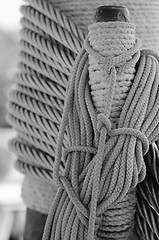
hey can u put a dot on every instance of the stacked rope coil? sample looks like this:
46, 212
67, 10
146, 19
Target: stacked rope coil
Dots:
144, 14
48, 49
49, 45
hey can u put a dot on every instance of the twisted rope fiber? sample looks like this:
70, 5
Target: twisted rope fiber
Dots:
39, 86
90, 187
58, 17
36, 104
51, 28
30, 76
144, 14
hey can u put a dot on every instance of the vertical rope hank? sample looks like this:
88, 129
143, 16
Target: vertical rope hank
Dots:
111, 40
103, 164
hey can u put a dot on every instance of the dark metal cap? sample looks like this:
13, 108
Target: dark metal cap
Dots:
112, 14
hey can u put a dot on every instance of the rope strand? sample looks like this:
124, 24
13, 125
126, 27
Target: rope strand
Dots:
39, 95
117, 166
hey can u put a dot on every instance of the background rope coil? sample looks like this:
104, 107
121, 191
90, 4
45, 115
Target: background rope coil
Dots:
41, 50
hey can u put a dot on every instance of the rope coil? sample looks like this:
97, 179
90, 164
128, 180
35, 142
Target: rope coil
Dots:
41, 83
105, 179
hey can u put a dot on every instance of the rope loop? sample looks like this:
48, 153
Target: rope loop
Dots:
122, 62
78, 149
103, 121
82, 212
88, 215
95, 185
132, 132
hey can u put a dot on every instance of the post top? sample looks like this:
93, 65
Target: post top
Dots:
112, 14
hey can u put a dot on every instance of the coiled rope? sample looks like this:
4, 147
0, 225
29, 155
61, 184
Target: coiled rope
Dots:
37, 103
144, 14
92, 185
49, 45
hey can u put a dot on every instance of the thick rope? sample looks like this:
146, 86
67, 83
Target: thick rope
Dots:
36, 104
110, 41
51, 28
144, 14
88, 188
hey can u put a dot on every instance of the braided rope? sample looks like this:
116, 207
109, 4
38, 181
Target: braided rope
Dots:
44, 69
101, 181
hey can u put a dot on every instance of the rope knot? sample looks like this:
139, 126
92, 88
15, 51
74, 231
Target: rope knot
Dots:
103, 121
132, 132
121, 62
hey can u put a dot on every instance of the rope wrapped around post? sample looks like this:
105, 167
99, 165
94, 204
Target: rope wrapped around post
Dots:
36, 105
104, 164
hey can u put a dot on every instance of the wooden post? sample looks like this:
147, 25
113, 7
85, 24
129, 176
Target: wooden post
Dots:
112, 14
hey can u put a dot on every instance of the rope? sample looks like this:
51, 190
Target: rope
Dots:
49, 44
50, 27
110, 42
144, 14
88, 188
36, 104
147, 195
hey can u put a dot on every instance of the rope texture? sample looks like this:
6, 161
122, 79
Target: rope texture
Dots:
88, 188
144, 14
49, 44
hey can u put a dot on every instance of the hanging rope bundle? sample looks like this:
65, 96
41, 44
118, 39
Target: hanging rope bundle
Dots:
103, 164
49, 44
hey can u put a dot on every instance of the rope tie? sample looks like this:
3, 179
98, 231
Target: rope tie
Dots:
121, 62
113, 65
105, 122
102, 171
108, 176
49, 44
91, 220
